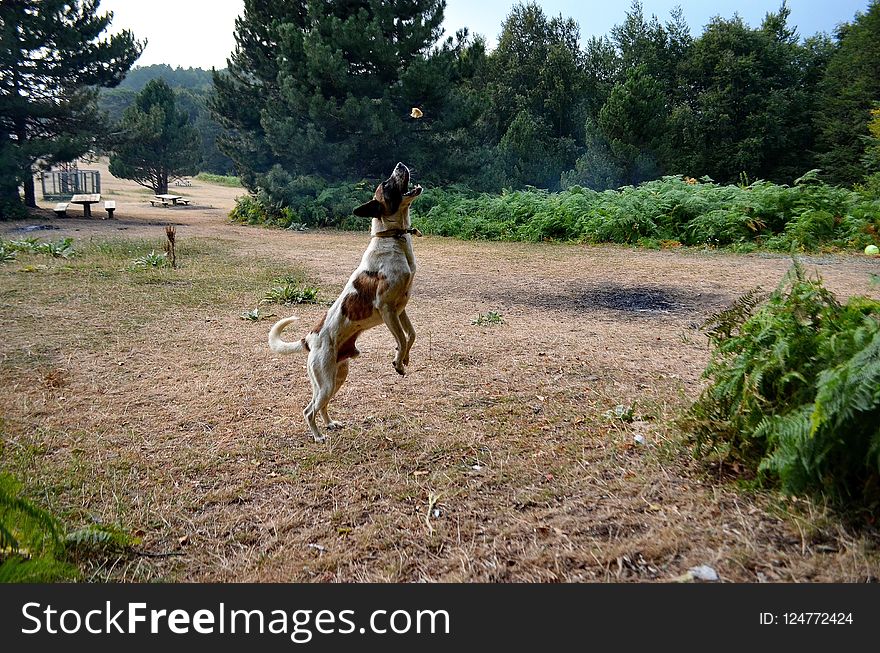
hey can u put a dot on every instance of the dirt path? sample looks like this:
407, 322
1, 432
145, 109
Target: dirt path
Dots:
493, 459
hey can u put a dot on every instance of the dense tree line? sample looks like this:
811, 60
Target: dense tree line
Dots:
321, 91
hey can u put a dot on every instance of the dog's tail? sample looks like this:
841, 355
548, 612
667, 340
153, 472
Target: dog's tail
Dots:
279, 346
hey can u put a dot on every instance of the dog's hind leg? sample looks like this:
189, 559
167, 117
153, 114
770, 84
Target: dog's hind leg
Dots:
392, 321
341, 374
410, 336
322, 377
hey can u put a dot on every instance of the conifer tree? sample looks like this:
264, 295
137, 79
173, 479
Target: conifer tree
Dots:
156, 142
326, 87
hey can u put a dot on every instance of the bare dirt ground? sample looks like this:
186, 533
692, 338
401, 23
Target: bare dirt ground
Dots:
141, 398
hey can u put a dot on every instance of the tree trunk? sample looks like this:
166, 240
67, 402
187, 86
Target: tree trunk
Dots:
30, 196
163, 184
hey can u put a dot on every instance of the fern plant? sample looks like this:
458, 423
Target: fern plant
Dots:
31, 544
794, 391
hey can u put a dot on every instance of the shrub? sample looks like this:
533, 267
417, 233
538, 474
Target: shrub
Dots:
289, 290
248, 210
807, 216
794, 391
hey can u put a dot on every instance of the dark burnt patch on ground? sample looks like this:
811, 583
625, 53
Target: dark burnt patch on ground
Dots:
638, 300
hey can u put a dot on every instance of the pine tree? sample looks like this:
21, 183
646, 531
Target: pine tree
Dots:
326, 88
157, 142
634, 124
250, 82
53, 55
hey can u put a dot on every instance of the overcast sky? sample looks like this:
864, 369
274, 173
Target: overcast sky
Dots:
198, 33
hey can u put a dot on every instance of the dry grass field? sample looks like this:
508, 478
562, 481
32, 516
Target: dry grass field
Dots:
141, 398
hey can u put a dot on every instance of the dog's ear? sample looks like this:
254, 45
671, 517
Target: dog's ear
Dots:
372, 209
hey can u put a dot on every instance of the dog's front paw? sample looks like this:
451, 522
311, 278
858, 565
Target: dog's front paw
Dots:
399, 368
320, 439
334, 425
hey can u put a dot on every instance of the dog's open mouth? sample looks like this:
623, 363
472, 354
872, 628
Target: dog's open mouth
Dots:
415, 190
401, 177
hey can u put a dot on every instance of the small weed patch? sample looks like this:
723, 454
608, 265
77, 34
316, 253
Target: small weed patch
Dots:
60, 249
490, 318
152, 260
290, 290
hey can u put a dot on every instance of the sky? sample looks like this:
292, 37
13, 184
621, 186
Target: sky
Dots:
199, 33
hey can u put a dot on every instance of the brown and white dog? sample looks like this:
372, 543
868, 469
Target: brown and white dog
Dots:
377, 292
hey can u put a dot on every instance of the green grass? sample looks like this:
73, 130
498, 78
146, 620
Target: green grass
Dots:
209, 274
219, 180
213, 282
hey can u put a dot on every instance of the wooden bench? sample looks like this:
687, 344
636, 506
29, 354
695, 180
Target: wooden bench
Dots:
183, 200
155, 202
61, 209
110, 206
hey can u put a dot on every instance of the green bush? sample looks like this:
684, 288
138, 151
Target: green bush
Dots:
302, 201
794, 391
807, 216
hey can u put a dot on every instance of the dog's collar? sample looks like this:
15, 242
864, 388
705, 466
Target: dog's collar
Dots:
397, 233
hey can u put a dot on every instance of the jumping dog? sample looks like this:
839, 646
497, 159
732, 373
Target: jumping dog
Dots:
377, 291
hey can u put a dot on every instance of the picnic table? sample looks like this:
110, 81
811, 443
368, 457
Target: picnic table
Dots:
165, 198
86, 200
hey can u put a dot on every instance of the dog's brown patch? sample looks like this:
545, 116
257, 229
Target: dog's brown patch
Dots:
348, 349
320, 325
359, 305
305, 344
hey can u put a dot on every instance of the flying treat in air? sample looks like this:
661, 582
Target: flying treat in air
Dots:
416, 113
